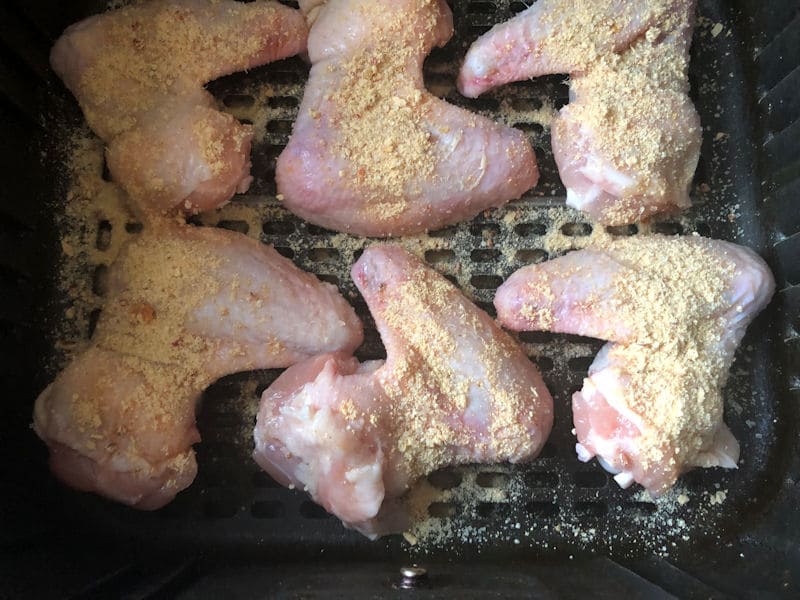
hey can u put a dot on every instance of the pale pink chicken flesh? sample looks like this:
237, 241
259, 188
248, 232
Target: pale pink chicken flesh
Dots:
185, 306
372, 151
138, 73
674, 310
454, 389
628, 143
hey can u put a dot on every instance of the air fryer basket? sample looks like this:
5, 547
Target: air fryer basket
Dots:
555, 528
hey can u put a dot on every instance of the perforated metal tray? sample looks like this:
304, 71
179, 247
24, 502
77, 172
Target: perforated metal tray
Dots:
555, 508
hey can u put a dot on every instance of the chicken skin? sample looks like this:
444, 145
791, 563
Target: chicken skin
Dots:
373, 152
628, 143
454, 389
138, 73
185, 306
674, 310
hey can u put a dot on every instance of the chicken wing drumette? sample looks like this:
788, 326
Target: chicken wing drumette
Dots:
628, 143
138, 73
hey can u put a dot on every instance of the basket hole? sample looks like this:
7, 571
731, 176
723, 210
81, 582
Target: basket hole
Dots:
542, 480
541, 509
484, 255
220, 509
100, 280
590, 479
290, 3
518, 7
278, 227
703, 229
439, 256
529, 127
333, 279
133, 227
312, 510
261, 479
238, 101
486, 282
282, 102
323, 255
591, 509
668, 228
316, 229
531, 256
285, 77
445, 480
491, 479
622, 230
280, 126
576, 229
285, 252
239, 226
103, 240
528, 229
536, 337
94, 317
580, 364
267, 509
443, 233
483, 8
485, 509
246, 121
442, 510
486, 104
545, 363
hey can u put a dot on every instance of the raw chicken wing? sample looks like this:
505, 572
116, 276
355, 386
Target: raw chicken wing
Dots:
628, 142
138, 73
373, 152
454, 389
185, 306
674, 310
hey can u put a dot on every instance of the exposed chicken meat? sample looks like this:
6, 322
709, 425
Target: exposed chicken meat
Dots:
185, 306
674, 310
373, 152
628, 142
454, 389
138, 73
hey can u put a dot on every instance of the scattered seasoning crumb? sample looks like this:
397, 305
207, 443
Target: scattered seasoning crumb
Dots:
718, 497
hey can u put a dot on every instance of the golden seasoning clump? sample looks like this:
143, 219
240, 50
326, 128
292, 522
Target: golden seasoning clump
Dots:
381, 115
626, 95
159, 50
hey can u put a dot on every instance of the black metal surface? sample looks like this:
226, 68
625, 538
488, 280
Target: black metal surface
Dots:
227, 531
